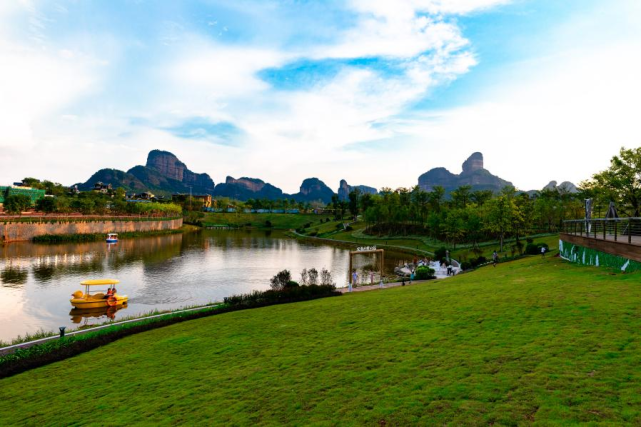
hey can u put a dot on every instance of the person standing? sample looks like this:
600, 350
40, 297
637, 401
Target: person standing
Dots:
495, 258
543, 251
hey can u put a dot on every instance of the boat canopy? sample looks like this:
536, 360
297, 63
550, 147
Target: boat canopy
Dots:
100, 282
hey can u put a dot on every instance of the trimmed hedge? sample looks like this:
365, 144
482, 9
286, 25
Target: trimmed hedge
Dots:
424, 273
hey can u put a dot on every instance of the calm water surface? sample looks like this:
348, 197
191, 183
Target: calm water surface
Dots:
166, 272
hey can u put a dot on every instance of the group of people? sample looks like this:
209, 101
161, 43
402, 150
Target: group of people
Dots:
355, 277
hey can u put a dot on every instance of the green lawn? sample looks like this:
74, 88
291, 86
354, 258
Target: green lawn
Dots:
424, 244
532, 340
279, 221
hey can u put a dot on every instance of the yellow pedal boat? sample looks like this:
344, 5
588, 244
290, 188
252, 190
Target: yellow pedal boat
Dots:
100, 298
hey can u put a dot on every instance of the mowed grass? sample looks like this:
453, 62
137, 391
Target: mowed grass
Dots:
533, 340
279, 221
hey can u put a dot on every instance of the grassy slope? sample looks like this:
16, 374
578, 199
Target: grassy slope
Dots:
279, 221
536, 339
430, 246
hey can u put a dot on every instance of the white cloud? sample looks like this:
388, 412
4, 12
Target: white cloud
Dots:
222, 71
33, 85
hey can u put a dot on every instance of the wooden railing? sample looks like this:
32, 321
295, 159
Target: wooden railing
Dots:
621, 230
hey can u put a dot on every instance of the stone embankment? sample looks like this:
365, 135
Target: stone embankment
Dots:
15, 231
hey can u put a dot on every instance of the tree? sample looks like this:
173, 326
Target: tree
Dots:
326, 278
354, 198
313, 276
622, 180
17, 203
46, 205
280, 280
336, 205
461, 196
500, 216
120, 193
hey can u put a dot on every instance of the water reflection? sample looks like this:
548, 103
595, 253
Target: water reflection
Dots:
12, 276
85, 316
161, 272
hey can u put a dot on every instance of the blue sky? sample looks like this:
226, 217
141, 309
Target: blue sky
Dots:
372, 91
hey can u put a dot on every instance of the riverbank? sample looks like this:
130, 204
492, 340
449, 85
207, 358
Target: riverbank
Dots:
27, 230
536, 340
98, 237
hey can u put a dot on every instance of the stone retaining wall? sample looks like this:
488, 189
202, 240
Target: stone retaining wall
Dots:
24, 231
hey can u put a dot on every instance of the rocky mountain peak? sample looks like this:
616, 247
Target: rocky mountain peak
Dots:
473, 163
474, 174
344, 189
251, 184
310, 185
167, 164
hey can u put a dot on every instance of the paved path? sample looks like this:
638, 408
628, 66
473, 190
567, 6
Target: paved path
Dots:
385, 286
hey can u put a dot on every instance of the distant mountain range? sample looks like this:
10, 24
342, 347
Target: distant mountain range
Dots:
164, 174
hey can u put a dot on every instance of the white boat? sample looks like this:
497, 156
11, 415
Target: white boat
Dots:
112, 238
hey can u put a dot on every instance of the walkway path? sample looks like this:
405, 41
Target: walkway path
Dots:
385, 286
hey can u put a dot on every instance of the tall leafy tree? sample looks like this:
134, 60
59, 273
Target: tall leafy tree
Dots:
354, 199
622, 181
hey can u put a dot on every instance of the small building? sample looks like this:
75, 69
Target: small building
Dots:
147, 195
99, 187
204, 200
13, 190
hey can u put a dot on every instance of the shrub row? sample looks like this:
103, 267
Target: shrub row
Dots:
59, 349
287, 294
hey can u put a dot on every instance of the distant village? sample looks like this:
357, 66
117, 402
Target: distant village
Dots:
204, 202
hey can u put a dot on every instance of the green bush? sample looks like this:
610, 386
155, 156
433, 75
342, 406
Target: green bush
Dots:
424, 273
535, 249
478, 261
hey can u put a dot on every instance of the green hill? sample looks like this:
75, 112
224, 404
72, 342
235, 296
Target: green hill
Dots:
536, 340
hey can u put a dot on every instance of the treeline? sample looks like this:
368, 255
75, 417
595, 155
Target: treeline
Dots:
465, 216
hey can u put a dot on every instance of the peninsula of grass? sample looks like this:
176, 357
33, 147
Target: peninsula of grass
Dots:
421, 245
535, 340
266, 220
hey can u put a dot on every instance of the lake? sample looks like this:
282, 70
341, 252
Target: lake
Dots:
160, 272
